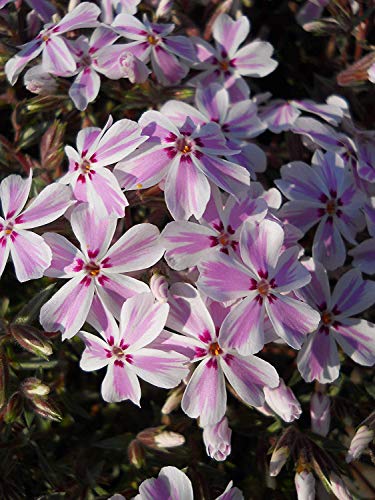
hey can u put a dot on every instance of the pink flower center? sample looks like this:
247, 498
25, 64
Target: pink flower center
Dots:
86, 60
85, 166
118, 352
326, 318
152, 40
224, 65
331, 207
184, 145
9, 228
263, 287
92, 268
215, 349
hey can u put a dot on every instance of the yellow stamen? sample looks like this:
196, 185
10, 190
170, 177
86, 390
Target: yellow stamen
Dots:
224, 65
152, 40
215, 349
139, 186
263, 287
326, 318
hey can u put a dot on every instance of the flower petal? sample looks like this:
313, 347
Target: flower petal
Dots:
102, 320
328, 246
353, 294
357, 339
64, 256
205, 395
319, 359
121, 383
67, 310
85, 88
4, 252
300, 181
96, 354
229, 34
14, 191
105, 195
159, 368
291, 319
364, 256
248, 375
243, 327
83, 16
254, 59
290, 274
15, 65
30, 254
57, 58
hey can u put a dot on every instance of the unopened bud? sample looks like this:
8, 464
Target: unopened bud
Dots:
159, 287
283, 402
31, 339
136, 453
320, 413
173, 401
155, 437
338, 487
39, 82
278, 459
305, 485
14, 408
217, 439
32, 387
164, 8
46, 409
359, 443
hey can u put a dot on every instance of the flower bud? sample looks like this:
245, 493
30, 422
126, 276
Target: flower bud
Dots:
283, 402
30, 339
278, 459
217, 440
173, 401
320, 413
338, 487
136, 453
14, 408
159, 287
32, 387
155, 437
164, 8
305, 485
46, 409
359, 443
39, 82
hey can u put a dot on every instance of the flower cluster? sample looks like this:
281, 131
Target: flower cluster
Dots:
236, 279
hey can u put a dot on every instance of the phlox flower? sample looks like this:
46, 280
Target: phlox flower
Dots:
304, 482
263, 279
187, 157
126, 349
218, 229
86, 85
171, 56
31, 255
173, 484
239, 122
96, 269
323, 194
226, 63
56, 56
205, 395
97, 148
319, 358
283, 402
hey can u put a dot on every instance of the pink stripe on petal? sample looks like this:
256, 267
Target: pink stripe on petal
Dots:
142, 319
67, 310
224, 278
105, 194
357, 339
328, 246
290, 274
64, 256
352, 294
254, 59
167, 68
85, 88
49, 205
30, 254
291, 319
188, 313
248, 375
139, 248
205, 395
187, 243
4, 252
83, 16
243, 328
57, 58
102, 320
15, 65
119, 384
96, 354
319, 359
14, 191
162, 369
229, 34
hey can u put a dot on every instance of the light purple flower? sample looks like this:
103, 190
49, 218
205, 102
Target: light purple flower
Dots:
171, 56
318, 358
117, 62
323, 194
118, 6
226, 63
263, 280
86, 85
31, 255
186, 158
38, 81
205, 395
98, 148
283, 402
126, 349
56, 58
320, 413
96, 269
218, 231
217, 438
305, 485
364, 256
